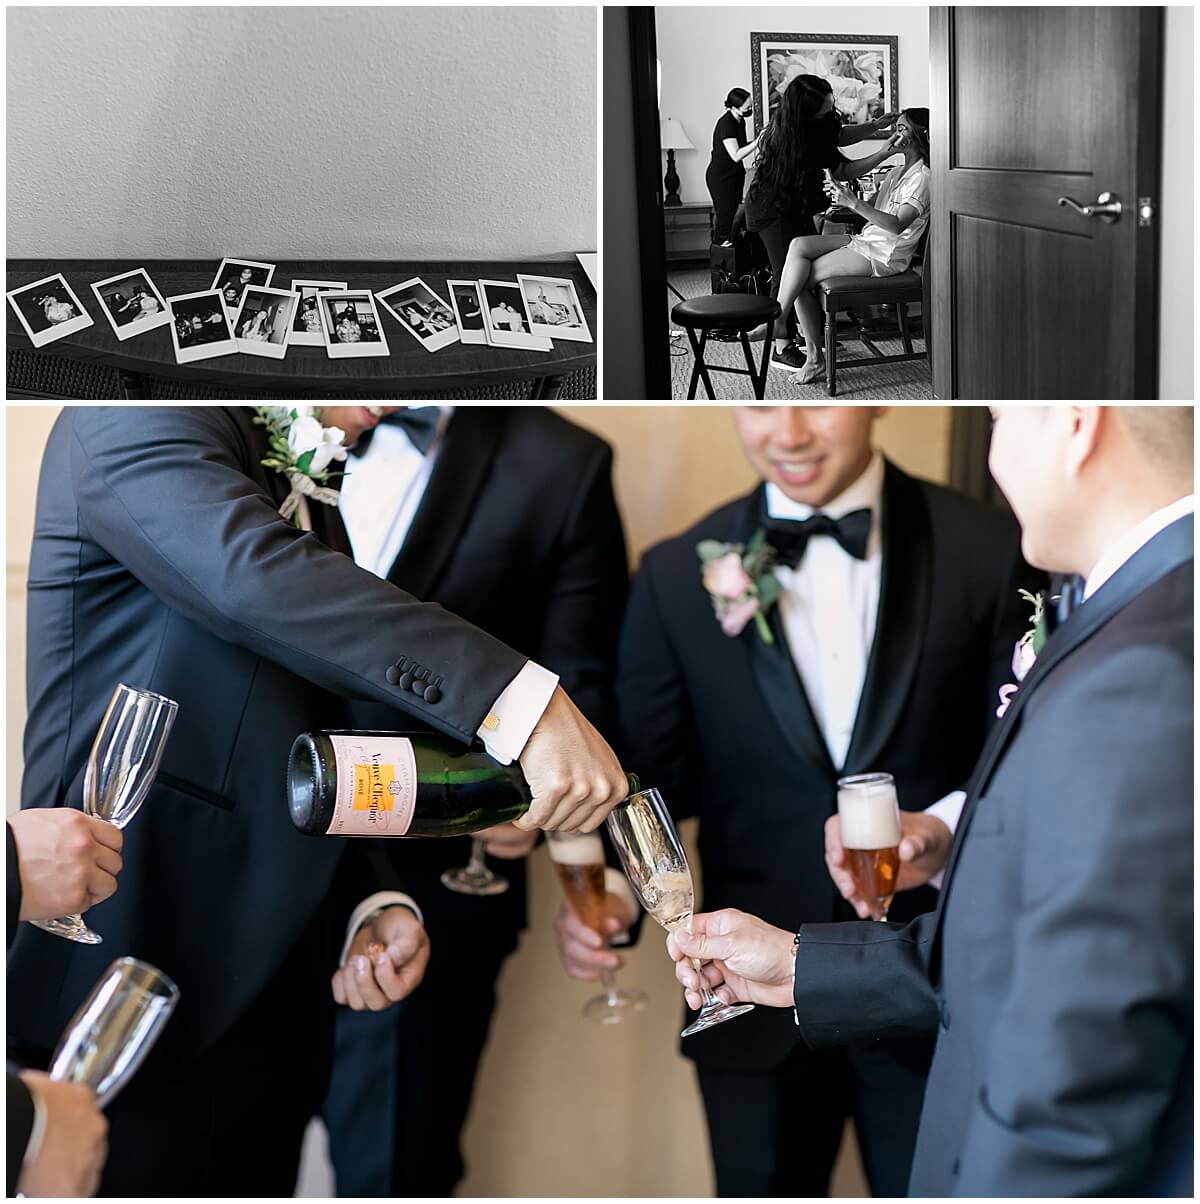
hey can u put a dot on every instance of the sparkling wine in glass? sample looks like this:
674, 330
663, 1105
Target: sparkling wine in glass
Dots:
870, 819
119, 774
579, 863
115, 1028
475, 878
655, 864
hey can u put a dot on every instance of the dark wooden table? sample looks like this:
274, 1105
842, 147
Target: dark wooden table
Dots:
408, 367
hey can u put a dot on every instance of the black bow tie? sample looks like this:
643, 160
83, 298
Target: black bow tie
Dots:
419, 423
789, 537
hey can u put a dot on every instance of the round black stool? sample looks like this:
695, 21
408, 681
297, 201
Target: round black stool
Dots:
739, 312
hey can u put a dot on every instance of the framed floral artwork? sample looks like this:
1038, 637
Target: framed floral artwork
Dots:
861, 68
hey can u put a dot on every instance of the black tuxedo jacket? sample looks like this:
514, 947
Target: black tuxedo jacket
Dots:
1058, 968
159, 559
723, 726
17, 1098
518, 532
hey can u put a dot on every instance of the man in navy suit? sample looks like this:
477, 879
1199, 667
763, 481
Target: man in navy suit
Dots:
1057, 971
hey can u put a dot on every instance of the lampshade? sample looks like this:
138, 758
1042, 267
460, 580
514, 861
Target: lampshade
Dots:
673, 136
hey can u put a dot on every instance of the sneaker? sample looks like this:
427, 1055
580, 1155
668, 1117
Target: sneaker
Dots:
790, 359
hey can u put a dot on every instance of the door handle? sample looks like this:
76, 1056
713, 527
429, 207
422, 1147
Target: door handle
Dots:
1108, 207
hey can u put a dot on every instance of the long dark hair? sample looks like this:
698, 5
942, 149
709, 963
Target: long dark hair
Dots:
785, 141
736, 98
919, 120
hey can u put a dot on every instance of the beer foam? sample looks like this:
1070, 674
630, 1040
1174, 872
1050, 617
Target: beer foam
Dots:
585, 849
869, 817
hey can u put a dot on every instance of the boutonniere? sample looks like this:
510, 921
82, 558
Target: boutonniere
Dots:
1027, 649
741, 582
302, 450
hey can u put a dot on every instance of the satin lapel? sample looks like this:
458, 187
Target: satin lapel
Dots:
459, 473
774, 671
906, 581
1166, 551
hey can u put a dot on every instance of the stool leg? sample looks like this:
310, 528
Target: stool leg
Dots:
751, 370
701, 369
760, 384
902, 314
697, 353
831, 351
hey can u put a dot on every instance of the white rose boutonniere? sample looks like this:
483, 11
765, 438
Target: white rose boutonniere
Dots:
302, 449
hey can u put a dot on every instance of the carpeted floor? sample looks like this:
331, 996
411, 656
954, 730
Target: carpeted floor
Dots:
909, 381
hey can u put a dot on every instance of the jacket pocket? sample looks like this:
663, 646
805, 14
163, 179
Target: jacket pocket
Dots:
188, 790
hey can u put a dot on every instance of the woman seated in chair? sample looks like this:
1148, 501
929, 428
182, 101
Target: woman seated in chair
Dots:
895, 222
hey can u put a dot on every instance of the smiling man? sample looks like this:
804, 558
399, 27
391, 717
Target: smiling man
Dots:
894, 628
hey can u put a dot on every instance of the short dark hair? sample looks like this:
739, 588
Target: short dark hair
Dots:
736, 97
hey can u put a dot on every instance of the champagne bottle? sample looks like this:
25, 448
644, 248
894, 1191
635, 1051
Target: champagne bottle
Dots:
343, 783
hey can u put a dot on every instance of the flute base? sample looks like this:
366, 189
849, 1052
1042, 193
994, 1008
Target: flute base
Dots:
714, 1015
72, 928
467, 882
614, 1008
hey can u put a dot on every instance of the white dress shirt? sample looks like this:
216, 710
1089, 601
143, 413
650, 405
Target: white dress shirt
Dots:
828, 607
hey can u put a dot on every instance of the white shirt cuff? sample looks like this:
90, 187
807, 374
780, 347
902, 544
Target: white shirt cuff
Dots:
615, 883
381, 899
38, 1131
948, 810
509, 724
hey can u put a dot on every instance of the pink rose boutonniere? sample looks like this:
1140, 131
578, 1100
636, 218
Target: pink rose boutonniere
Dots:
1026, 650
741, 582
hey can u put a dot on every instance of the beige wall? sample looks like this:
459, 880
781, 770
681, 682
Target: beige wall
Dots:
562, 1108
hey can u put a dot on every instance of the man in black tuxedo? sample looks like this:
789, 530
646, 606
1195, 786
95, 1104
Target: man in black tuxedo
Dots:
1057, 971
506, 517
160, 558
894, 628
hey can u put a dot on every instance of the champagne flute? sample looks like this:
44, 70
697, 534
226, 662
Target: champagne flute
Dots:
475, 878
579, 863
114, 1029
656, 866
120, 771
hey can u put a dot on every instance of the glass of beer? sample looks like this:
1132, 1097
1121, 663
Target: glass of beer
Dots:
870, 818
579, 863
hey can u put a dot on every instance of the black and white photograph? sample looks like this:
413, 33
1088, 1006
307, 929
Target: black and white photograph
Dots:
200, 326
422, 313
350, 324
505, 317
264, 321
131, 303
234, 276
554, 309
48, 310
306, 325
468, 311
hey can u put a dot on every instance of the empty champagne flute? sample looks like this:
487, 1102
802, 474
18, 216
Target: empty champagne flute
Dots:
475, 878
119, 774
655, 864
579, 863
114, 1029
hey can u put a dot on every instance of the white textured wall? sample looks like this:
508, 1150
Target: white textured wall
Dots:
439, 132
706, 51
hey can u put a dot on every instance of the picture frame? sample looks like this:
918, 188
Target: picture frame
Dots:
554, 308
304, 333
123, 301
863, 70
506, 318
230, 275
264, 321
48, 309
199, 326
347, 307
468, 311
429, 319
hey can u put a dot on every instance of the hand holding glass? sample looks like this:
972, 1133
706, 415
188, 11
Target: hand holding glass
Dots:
119, 774
656, 866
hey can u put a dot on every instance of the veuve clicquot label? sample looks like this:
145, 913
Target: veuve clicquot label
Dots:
376, 785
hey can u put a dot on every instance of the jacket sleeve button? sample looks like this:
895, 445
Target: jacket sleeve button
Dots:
392, 674
417, 686
432, 694
405, 681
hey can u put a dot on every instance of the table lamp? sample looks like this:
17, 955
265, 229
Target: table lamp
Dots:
672, 137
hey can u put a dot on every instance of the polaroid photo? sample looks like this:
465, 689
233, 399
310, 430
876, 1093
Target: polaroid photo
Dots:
131, 303
468, 311
553, 307
422, 313
350, 323
49, 310
306, 325
505, 318
264, 322
233, 277
200, 327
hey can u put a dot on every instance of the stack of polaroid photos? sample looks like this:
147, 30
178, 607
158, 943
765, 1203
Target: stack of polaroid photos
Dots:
528, 312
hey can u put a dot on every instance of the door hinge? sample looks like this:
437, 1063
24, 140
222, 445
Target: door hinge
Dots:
1145, 210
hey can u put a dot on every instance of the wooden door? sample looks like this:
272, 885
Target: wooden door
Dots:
1032, 299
